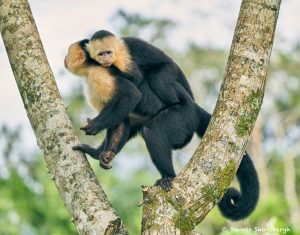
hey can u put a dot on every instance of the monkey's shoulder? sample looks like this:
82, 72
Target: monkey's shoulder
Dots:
144, 53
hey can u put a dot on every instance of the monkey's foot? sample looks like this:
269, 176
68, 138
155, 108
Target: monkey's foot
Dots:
108, 156
92, 127
84, 148
105, 158
165, 183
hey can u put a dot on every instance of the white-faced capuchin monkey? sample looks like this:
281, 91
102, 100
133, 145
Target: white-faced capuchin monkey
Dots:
104, 95
165, 109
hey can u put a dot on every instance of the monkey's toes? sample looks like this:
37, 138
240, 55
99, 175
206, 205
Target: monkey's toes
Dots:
165, 183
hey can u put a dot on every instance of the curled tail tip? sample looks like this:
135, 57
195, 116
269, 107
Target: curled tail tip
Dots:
235, 206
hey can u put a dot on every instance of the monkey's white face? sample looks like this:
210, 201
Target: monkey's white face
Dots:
103, 51
105, 57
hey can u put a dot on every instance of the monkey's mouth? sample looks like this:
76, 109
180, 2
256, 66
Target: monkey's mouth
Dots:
106, 64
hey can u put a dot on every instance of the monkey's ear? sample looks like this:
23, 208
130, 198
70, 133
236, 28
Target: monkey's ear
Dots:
83, 43
90, 49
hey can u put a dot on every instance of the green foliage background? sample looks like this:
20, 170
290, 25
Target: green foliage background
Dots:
29, 201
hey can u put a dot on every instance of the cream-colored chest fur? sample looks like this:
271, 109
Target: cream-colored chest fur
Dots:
100, 87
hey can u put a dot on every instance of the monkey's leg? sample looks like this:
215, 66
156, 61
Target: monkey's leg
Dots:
116, 138
115, 141
93, 152
172, 128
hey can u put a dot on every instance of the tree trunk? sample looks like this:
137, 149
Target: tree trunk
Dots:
83, 196
204, 180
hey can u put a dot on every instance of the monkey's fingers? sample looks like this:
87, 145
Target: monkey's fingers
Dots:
83, 128
83, 148
86, 124
104, 165
165, 183
92, 129
108, 156
78, 147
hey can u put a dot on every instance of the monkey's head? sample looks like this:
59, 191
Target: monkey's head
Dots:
75, 60
103, 47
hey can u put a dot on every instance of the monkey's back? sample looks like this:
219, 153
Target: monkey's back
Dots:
150, 59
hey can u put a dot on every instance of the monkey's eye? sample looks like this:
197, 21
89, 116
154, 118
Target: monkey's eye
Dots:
103, 53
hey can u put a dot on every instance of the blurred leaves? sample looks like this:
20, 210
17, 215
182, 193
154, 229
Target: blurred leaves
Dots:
154, 30
30, 204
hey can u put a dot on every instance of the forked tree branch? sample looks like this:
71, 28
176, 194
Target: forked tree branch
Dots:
204, 180
82, 194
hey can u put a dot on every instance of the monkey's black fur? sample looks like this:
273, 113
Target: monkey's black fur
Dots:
88, 60
101, 34
166, 116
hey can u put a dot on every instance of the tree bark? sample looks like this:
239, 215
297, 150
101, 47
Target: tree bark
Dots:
82, 194
204, 180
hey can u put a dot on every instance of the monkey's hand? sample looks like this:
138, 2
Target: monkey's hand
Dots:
105, 158
93, 127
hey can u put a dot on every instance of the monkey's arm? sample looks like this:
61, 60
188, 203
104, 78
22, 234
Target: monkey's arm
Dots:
117, 109
134, 74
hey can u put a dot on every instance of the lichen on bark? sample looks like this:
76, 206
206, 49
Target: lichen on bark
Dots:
82, 194
205, 178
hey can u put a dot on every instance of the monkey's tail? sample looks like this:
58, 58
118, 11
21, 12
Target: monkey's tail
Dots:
236, 205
